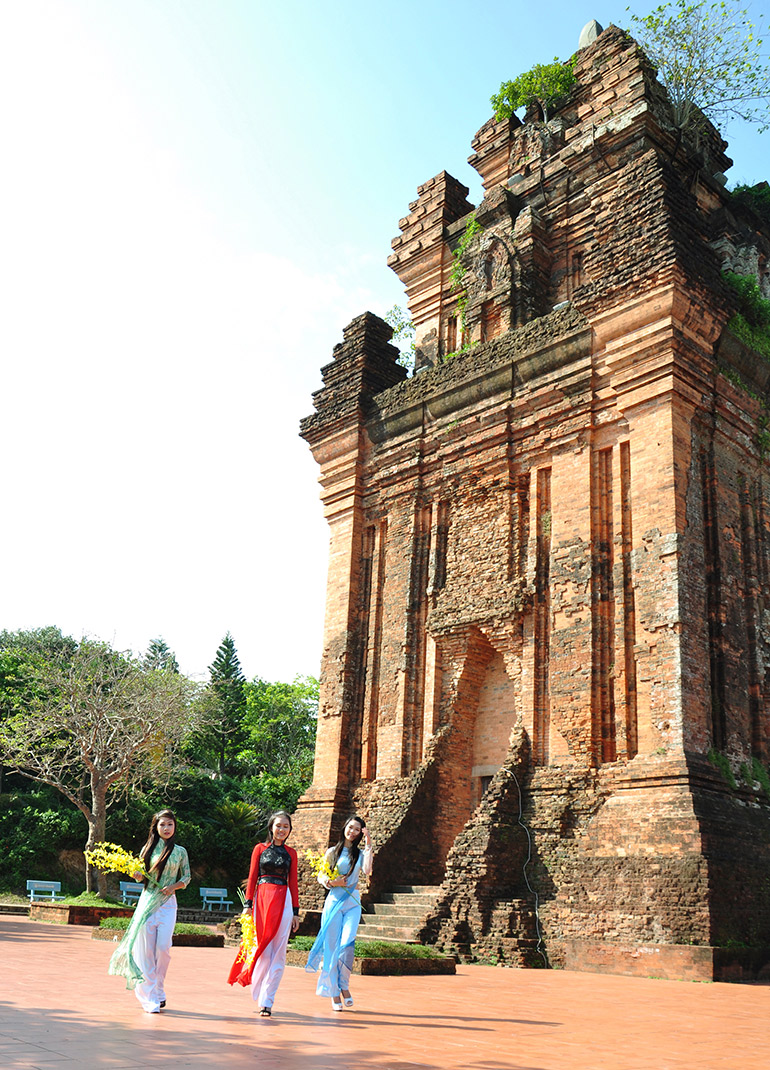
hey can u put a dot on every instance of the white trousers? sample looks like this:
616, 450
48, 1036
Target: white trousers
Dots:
152, 954
270, 965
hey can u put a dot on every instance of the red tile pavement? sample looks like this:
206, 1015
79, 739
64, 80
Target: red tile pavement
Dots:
60, 1011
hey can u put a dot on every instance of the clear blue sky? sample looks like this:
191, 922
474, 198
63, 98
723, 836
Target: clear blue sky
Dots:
197, 195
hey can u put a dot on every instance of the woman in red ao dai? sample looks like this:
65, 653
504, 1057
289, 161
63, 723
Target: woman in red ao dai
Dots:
272, 893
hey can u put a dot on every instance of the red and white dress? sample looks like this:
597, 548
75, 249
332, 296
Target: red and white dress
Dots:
272, 886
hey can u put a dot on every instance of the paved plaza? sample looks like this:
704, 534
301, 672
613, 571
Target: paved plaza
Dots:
60, 1011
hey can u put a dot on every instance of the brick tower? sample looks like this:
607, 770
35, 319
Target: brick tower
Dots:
549, 559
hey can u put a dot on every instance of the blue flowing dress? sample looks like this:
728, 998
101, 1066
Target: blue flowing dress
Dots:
333, 949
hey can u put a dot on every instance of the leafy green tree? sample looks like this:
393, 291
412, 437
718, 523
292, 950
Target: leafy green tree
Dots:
159, 656
20, 653
36, 641
403, 334
90, 722
545, 86
709, 57
279, 728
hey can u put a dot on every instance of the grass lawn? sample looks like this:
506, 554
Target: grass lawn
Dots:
376, 949
180, 929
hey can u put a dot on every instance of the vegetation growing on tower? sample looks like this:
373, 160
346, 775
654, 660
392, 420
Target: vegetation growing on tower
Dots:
545, 86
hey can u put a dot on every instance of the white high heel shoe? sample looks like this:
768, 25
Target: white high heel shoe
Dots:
335, 1005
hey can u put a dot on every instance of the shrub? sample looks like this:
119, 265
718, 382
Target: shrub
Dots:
35, 825
722, 763
751, 304
751, 323
755, 197
91, 899
546, 85
181, 928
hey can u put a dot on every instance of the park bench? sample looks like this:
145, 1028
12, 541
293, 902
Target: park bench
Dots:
130, 891
44, 890
215, 897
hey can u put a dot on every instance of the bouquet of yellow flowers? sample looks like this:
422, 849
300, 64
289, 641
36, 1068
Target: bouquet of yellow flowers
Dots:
320, 866
248, 933
112, 858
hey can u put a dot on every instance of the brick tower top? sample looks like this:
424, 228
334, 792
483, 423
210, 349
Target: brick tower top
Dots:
536, 252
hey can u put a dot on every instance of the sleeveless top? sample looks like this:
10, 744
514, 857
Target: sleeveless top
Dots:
274, 865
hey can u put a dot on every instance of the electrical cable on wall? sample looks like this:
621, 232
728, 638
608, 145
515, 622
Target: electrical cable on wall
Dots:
526, 878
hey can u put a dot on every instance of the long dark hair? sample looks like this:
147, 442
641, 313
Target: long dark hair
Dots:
354, 852
272, 820
152, 841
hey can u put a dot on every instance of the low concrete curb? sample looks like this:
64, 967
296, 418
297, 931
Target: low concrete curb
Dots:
386, 967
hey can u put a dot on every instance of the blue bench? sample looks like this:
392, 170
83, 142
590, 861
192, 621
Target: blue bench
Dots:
215, 897
130, 891
44, 890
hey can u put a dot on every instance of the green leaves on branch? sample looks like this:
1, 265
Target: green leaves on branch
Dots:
709, 57
457, 277
279, 727
457, 274
403, 334
546, 85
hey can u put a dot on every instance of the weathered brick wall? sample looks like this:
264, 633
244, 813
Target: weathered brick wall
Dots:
549, 555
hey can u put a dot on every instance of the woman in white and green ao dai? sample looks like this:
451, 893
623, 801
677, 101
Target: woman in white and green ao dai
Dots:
144, 953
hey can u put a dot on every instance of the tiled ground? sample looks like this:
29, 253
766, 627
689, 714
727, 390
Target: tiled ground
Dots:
60, 1011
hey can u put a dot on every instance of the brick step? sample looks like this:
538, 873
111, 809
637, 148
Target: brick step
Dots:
384, 938
412, 910
403, 934
425, 901
401, 920
417, 889
399, 914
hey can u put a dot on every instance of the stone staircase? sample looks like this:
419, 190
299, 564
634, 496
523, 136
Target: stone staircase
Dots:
399, 915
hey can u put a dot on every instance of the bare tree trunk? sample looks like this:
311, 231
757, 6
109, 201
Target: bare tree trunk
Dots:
97, 830
89, 847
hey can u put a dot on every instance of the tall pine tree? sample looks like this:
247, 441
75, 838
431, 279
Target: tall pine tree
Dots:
159, 656
228, 690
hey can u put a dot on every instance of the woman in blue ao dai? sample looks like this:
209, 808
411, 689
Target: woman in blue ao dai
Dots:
333, 949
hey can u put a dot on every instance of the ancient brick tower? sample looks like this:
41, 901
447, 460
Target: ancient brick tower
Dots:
549, 565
